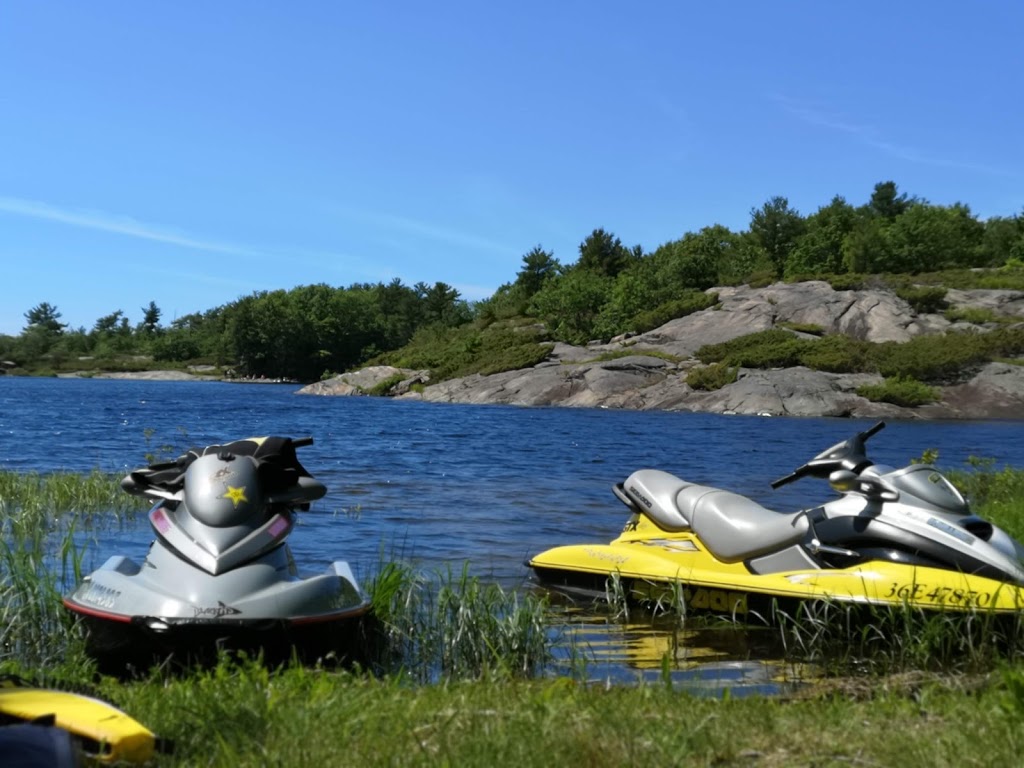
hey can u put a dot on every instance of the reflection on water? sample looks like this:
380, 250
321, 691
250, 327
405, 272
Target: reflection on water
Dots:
699, 658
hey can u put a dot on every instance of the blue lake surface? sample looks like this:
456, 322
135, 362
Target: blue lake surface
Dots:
445, 485
484, 487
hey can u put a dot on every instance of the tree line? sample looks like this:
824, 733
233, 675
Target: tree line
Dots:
301, 333
309, 331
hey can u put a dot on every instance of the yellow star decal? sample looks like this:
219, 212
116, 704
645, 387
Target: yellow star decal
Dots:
237, 495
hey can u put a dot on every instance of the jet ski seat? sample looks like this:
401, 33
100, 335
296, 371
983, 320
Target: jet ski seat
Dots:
731, 526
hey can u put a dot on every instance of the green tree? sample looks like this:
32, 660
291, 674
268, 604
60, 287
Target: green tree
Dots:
867, 248
604, 254
112, 334
263, 329
570, 304
634, 290
513, 299
150, 319
400, 310
1003, 240
820, 248
776, 227
44, 317
200, 335
704, 254
934, 237
442, 304
886, 202
538, 266
42, 331
108, 324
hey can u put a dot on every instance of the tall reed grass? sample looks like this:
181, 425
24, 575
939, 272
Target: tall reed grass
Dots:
41, 517
845, 639
454, 626
451, 626
426, 628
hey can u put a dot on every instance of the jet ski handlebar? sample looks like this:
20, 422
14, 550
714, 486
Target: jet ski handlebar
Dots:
850, 455
279, 468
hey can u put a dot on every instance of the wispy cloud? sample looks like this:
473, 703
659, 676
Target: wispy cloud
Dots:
430, 230
870, 136
338, 262
120, 225
130, 227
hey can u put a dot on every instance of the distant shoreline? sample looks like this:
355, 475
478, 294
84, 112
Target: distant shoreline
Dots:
171, 375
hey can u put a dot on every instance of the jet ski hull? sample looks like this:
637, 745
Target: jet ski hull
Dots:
120, 643
134, 615
676, 568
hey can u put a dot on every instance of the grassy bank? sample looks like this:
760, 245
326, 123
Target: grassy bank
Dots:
463, 673
243, 716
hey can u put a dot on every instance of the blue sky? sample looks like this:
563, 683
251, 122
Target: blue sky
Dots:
192, 153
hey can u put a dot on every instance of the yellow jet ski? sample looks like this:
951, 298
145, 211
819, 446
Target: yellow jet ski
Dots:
102, 732
899, 537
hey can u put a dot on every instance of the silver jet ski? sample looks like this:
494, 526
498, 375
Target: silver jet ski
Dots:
219, 574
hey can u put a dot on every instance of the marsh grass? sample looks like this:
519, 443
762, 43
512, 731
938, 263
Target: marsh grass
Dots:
41, 518
456, 626
845, 639
33, 498
486, 650
36, 558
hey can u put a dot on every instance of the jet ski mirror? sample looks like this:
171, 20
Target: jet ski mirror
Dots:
842, 480
845, 481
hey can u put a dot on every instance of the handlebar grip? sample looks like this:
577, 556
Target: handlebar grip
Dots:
872, 430
302, 442
788, 478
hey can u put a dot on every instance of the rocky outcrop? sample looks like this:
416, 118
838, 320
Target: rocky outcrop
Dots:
868, 315
585, 377
363, 381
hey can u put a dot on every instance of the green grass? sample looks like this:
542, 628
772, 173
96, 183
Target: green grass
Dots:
40, 515
36, 499
465, 681
239, 715
454, 627
383, 388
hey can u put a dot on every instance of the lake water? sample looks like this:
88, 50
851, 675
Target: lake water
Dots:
446, 485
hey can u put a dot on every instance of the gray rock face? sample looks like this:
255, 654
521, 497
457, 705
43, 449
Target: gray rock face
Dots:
576, 377
867, 315
1006, 303
362, 381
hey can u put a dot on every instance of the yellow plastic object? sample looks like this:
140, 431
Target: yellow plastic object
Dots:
667, 562
106, 733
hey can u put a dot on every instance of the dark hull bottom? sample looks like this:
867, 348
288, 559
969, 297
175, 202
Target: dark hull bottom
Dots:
133, 647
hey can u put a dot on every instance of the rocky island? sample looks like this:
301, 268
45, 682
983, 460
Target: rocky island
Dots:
648, 371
